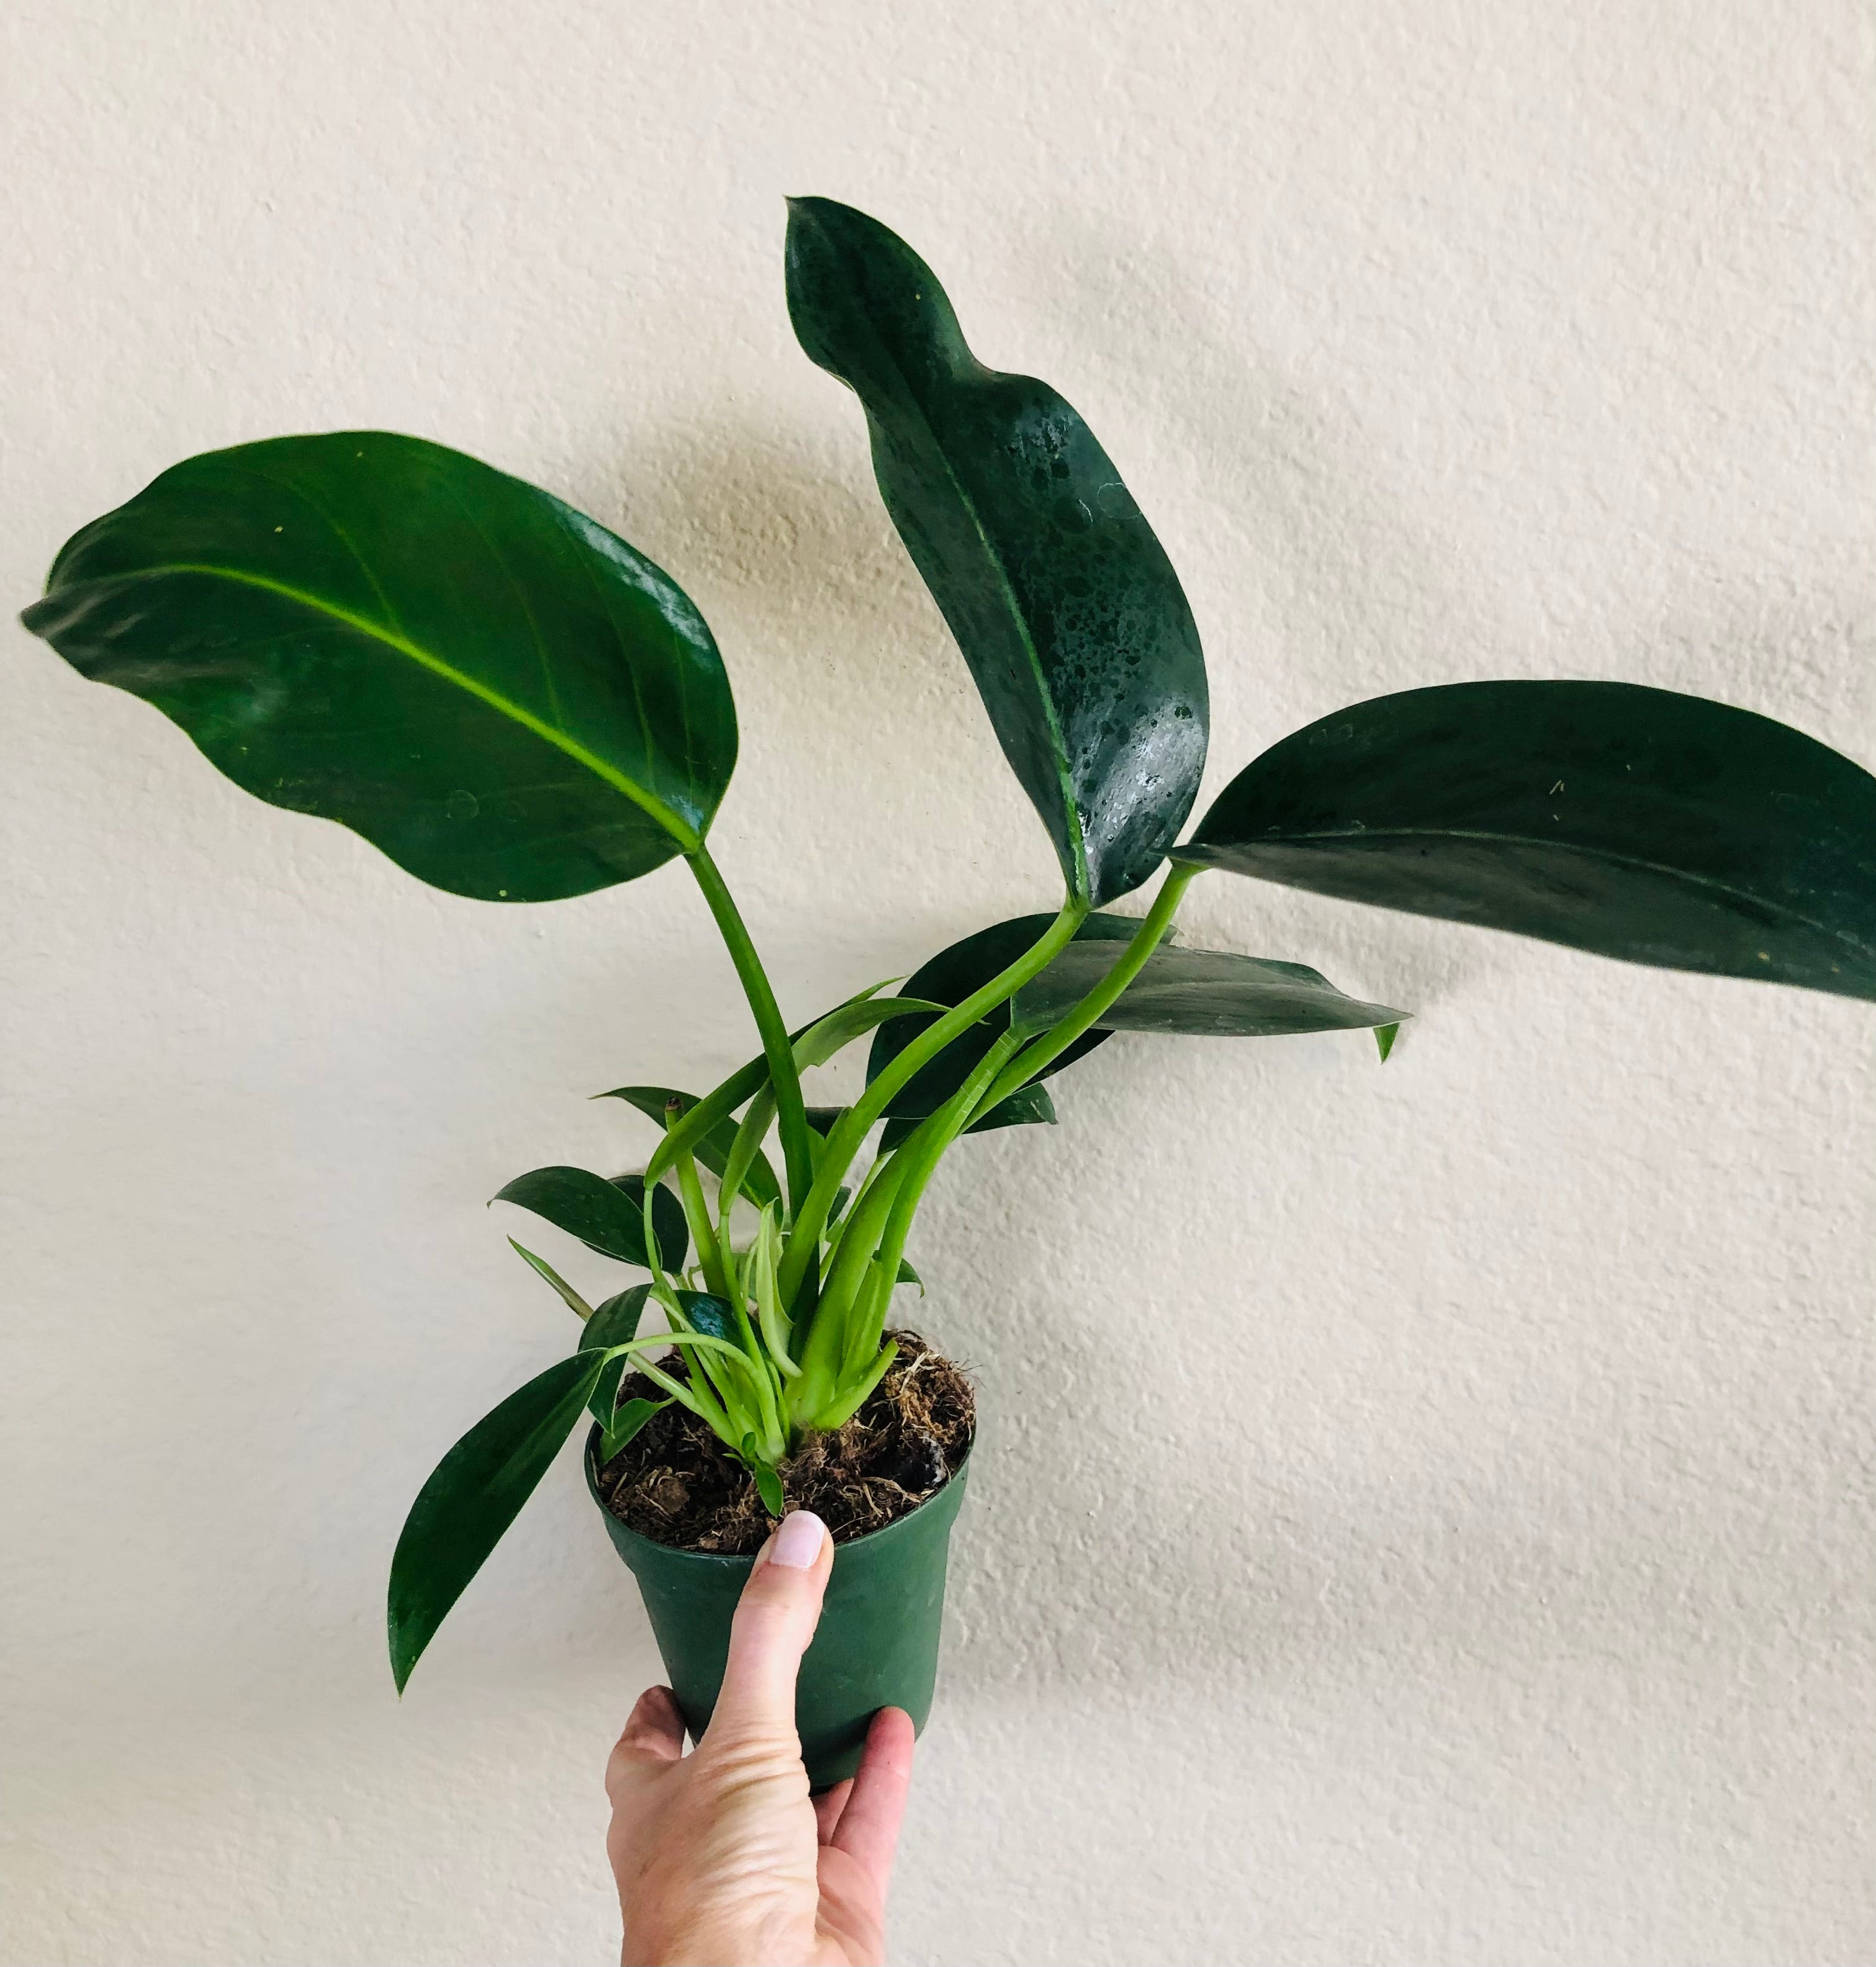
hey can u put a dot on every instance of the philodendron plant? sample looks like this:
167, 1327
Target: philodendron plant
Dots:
514, 705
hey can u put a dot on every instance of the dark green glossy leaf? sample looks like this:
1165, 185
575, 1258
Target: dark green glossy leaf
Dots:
510, 702
1384, 1037
948, 979
614, 1323
1206, 992
1028, 1106
626, 1424
1637, 823
713, 1150
825, 1119
476, 1491
907, 1275
710, 1316
608, 1216
1066, 607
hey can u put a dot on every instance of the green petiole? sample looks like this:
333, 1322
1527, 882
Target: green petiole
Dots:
775, 1047
1133, 959
843, 1144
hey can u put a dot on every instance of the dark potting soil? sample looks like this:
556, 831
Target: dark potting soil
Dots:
675, 1482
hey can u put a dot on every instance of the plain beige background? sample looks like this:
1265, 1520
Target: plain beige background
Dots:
1425, 1512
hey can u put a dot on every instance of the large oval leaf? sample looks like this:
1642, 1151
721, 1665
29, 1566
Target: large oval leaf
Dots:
608, 1216
1064, 604
476, 1491
951, 976
1206, 992
1637, 823
507, 699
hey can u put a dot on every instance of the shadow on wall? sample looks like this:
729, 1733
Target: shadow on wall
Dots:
1348, 592
824, 623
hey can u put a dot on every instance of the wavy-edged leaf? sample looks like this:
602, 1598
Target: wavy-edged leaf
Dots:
1636, 823
713, 1147
510, 702
1065, 606
951, 976
1206, 993
608, 1216
476, 1491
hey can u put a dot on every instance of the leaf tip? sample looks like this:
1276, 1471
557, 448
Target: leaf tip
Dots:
402, 1663
1384, 1037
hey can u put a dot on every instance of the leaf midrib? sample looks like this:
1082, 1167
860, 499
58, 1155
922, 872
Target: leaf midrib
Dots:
686, 836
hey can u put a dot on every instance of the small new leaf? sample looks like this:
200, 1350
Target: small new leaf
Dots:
571, 1298
768, 1488
712, 1149
626, 1423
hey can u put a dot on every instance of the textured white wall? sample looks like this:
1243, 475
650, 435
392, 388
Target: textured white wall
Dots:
1425, 1512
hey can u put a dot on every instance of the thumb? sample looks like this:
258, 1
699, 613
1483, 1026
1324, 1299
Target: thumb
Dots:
775, 1620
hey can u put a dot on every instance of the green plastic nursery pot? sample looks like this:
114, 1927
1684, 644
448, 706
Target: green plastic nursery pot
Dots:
876, 1646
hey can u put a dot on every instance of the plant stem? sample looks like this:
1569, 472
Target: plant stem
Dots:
1061, 1034
855, 1397
843, 1143
790, 1108
709, 1254
858, 1240
925, 1150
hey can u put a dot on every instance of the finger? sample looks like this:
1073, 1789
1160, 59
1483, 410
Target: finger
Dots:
868, 1830
655, 1734
775, 1619
828, 1807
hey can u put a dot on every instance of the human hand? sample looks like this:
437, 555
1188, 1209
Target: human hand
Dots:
722, 1858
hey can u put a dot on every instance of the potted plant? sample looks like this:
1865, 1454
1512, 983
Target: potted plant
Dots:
514, 705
